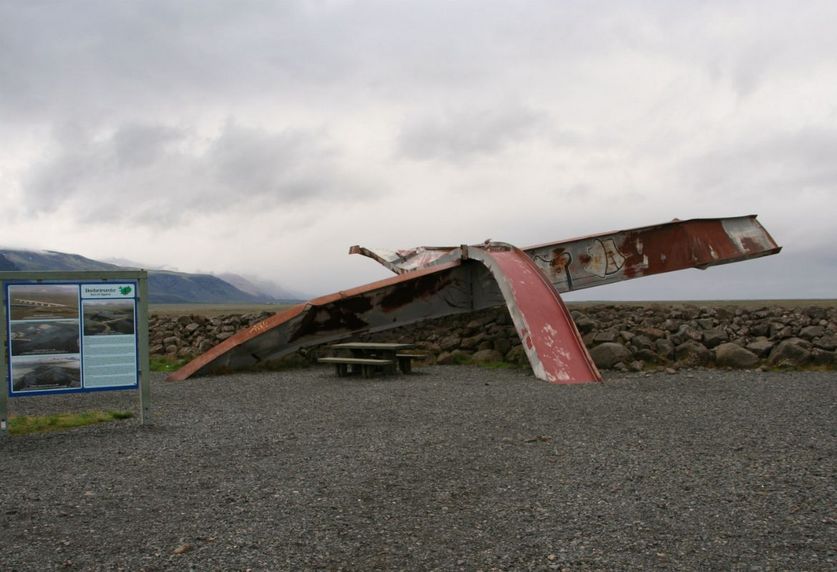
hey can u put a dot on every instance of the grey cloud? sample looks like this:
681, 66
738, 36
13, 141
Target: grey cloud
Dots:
149, 174
75, 59
460, 136
136, 146
788, 163
289, 164
100, 59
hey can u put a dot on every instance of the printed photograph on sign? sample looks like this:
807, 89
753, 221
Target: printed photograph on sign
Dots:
44, 337
39, 373
108, 317
43, 301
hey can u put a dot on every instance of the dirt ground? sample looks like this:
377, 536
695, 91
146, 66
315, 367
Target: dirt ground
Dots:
452, 468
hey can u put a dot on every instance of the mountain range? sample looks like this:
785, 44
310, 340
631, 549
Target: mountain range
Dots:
164, 286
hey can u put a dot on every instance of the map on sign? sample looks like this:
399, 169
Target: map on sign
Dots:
71, 337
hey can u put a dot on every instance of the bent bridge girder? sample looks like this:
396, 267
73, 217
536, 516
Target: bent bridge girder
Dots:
433, 282
483, 280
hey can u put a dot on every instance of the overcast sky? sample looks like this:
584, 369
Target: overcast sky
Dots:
266, 137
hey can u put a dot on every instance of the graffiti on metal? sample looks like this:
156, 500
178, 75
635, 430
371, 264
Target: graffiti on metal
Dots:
622, 255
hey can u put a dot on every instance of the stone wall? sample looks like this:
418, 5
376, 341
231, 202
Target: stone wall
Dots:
191, 335
619, 336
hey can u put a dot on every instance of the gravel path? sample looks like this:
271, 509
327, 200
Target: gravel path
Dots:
451, 468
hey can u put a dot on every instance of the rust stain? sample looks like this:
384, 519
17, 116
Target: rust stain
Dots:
750, 245
341, 315
609, 256
407, 292
560, 260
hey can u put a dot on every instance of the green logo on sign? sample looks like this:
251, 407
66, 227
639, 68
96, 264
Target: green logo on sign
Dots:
125, 290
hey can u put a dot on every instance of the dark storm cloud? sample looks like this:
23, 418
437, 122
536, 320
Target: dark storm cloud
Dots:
139, 170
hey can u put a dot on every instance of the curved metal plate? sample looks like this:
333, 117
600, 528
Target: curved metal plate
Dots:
551, 341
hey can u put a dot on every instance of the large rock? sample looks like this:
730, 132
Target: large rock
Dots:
761, 347
605, 336
450, 343
791, 352
714, 337
691, 354
517, 355
608, 354
665, 348
454, 357
584, 324
760, 329
823, 357
648, 356
707, 323
811, 332
733, 355
828, 342
642, 342
487, 356
502, 345
653, 333
686, 333
472, 342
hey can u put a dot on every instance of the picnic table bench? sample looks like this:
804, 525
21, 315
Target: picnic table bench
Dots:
370, 357
366, 365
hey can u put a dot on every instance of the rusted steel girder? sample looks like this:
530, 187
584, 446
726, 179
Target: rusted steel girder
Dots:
620, 255
439, 281
480, 278
401, 300
546, 328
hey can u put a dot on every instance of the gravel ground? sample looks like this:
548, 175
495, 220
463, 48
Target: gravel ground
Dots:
451, 468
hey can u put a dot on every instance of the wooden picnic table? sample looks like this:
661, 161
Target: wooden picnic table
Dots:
367, 357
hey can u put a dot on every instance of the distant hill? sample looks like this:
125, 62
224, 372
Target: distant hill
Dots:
164, 287
44, 260
257, 287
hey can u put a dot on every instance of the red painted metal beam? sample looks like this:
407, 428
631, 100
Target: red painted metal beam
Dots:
546, 328
435, 281
610, 257
434, 292
484, 280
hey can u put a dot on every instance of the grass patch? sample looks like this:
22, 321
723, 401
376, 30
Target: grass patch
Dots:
164, 363
43, 423
460, 358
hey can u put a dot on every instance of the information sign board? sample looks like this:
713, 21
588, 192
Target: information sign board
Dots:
71, 336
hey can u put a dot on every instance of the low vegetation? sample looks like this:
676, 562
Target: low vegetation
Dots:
23, 425
166, 363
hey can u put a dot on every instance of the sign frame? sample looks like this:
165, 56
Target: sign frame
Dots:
103, 281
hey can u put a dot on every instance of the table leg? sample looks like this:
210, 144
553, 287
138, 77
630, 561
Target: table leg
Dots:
405, 364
